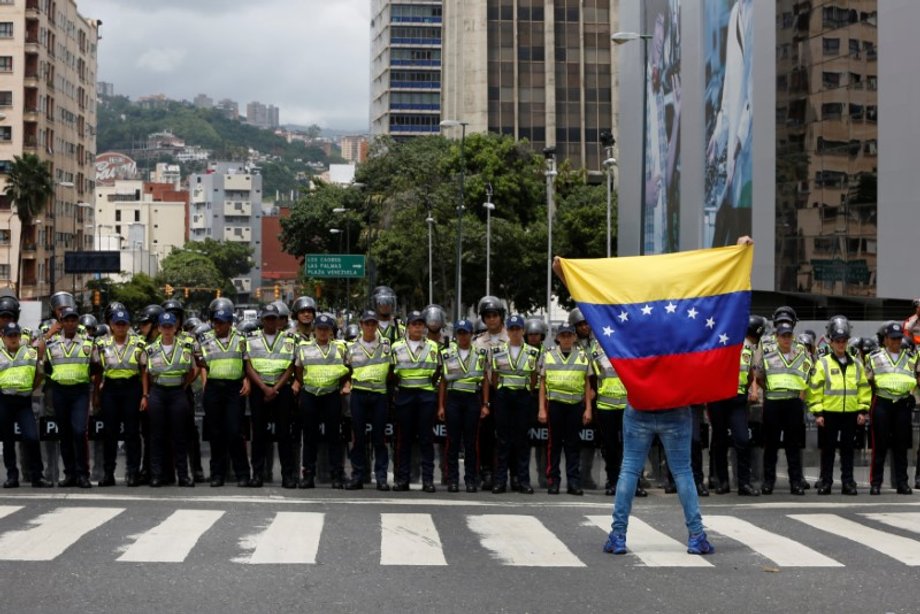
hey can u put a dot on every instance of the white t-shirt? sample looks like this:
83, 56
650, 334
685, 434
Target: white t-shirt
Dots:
414, 345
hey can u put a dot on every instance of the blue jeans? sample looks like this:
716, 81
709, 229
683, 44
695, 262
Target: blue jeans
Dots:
674, 429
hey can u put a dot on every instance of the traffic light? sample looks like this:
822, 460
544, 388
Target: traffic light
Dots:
168, 290
185, 292
258, 294
97, 298
277, 291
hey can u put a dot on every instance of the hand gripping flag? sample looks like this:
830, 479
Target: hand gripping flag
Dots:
672, 325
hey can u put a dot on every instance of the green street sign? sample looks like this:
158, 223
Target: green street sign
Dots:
335, 265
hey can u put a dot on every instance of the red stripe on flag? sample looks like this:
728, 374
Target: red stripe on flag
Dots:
677, 380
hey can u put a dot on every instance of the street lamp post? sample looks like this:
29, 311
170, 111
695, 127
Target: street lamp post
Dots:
340, 232
340, 211
490, 207
450, 123
620, 38
609, 162
549, 155
430, 221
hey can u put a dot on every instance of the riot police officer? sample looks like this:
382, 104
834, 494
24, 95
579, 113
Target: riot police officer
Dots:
416, 365
462, 401
68, 354
369, 359
304, 311
838, 395
892, 372
223, 363
148, 328
383, 302
20, 375
435, 320
169, 368
323, 378
782, 371
535, 336
270, 354
584, 338
514, 375
565, 404
118, 391
491, 312
732, 414
187, 339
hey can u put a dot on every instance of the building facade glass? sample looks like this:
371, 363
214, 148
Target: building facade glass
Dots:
827, 147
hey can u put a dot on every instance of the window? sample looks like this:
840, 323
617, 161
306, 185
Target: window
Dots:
6, 29
6, 63
118, 215
137, 216
854, 47
831, 110
6, 133
872, 82
4, 236
6, 99
831, 46
830, 80
4, 271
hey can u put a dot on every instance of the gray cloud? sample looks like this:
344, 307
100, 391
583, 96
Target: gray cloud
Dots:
308, 57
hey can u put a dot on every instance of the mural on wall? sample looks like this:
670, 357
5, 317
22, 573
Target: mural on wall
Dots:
661, 203
729, 51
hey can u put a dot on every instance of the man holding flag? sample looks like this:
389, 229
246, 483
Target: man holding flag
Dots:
666, 320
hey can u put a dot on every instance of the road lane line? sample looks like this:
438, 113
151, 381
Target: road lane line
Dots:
410, 539
173, 539
899, 548
654, 548
909, 521
781, 550
6, 510
522, 541
292, 537
53, 533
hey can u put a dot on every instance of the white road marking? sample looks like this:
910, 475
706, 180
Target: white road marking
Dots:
899, 548
6, 510
909, 521
653, 547
521, 541
54, 532
173, 539
781, 550
292, 537
410, 539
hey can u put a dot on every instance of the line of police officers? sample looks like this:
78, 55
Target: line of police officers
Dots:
488, 389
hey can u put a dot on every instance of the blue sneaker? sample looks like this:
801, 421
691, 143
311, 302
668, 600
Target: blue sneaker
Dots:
698, 544
616, 543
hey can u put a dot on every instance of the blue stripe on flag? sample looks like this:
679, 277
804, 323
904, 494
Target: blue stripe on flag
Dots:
659, 328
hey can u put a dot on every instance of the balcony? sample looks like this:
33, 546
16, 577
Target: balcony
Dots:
239, 208
33, 8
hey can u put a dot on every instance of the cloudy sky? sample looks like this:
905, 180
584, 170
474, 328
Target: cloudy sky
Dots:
308, 57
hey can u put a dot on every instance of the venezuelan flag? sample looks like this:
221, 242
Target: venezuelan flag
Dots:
673, 325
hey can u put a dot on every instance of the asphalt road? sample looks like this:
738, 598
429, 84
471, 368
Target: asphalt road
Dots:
227, 550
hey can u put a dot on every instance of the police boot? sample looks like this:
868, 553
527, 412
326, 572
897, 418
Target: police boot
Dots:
108, 479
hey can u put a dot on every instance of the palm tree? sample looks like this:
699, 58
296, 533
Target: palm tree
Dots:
29, 186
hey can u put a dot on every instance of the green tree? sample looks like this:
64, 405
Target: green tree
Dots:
29, 186
232, 259
138, 292
190, 269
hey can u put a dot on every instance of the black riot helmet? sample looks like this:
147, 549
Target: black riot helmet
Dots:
867, 345
883, 331
838, 327
576, 317
383, 300
785, 314
435, 317
9, 305
102, 330
283, 312
191, 324
90, 323
112, 308
491, 303
219, 303
352, 332
150, 314
174, 307
303, 303
247, 326
535, 326
756, 326
60, 300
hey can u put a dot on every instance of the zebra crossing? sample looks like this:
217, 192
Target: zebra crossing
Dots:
420, 539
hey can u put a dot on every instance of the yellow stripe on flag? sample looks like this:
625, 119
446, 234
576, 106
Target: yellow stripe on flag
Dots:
640, 279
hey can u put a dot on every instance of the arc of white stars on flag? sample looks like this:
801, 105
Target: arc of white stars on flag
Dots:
670, 308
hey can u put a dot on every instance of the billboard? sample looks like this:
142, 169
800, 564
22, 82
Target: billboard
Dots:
729, 52
661, 166
112, 165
